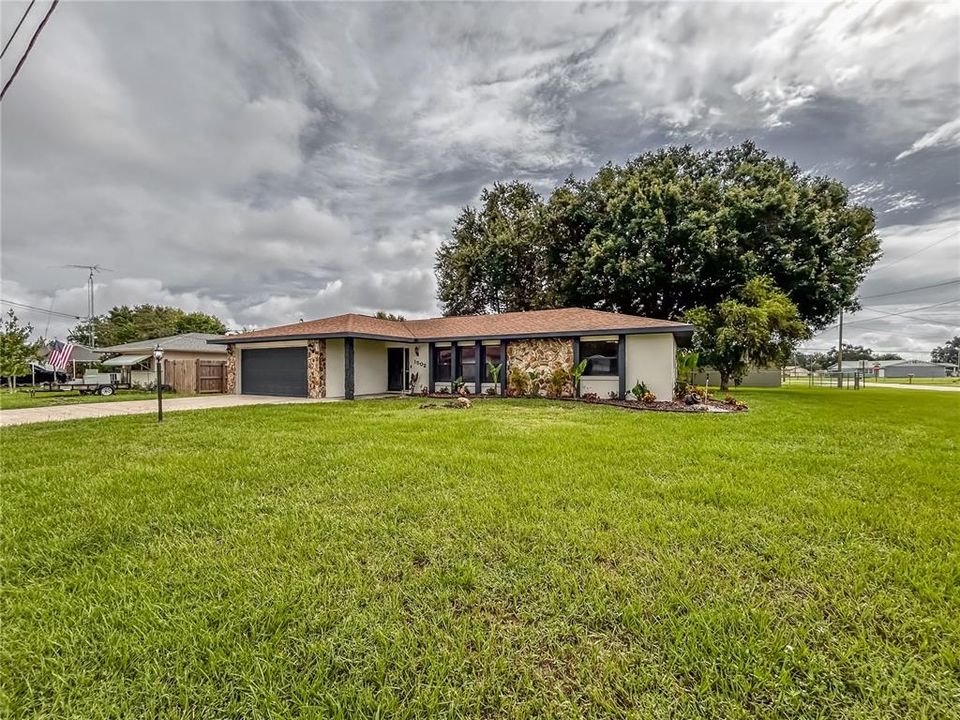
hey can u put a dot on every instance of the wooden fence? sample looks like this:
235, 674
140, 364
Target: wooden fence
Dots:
196, 376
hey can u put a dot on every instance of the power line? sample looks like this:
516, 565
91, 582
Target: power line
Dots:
901, 292
16, 29
923, 249
883, 313
33, 39
40, 309
907, 313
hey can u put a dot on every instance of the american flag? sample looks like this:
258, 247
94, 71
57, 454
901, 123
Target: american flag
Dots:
60, 353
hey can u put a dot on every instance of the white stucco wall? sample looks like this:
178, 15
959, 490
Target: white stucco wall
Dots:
652, 359
420, 365
334, 369
602, 386
370, 367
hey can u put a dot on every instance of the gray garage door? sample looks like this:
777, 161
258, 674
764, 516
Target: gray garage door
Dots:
274, 371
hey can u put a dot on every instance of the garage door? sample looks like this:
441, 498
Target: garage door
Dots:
274, 371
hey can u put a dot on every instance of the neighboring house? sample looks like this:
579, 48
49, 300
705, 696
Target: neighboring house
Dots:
755, 377
353, 355
81, 357
893, 368
136, 364
795, 371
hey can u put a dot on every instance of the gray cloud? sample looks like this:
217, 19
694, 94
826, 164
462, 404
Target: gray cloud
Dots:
268, 161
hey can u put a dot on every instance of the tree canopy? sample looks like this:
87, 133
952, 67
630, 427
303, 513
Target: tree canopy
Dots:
384, 315
947, 353
494, 261
16, 350
761, 327
123, 324
661, 234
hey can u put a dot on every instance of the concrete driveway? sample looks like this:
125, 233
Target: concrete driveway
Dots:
139, 407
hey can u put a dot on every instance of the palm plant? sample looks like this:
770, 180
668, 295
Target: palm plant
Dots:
576, 372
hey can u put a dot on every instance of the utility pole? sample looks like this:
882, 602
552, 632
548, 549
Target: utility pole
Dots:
840, 351
90, 308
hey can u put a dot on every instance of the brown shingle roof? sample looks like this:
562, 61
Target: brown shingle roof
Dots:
563, 321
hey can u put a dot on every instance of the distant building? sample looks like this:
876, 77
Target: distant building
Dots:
893, 368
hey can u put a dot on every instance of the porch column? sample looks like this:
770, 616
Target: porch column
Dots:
432, 374
455, 357
477, 359
622, 365
576, 361
503, 368
348, 368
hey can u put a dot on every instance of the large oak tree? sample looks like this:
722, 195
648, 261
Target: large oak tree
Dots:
661, 234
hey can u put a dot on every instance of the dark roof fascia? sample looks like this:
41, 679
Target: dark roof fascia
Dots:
672, 329
229, 340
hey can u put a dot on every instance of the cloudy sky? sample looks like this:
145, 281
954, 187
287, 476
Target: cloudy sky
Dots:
271, 161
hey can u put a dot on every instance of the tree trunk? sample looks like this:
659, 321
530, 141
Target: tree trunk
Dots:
724, 382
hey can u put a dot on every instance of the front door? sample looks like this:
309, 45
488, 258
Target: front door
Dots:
396, 369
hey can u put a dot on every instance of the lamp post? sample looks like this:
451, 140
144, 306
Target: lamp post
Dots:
158, 356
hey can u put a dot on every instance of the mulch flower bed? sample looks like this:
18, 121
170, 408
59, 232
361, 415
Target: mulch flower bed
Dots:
711, 405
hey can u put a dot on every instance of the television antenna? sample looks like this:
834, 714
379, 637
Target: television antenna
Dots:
92, 270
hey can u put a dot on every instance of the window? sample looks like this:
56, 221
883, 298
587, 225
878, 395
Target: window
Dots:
443, 364
601, 356
491, 356
467, 367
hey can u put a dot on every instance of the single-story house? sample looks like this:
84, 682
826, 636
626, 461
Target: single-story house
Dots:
354, 355
81, 357
136, 364
893, 368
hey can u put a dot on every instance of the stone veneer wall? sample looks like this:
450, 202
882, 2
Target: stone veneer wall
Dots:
541, 356
316, 368
231, 369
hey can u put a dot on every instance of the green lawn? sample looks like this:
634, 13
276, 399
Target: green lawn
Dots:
518, 559
917, 381
22, 398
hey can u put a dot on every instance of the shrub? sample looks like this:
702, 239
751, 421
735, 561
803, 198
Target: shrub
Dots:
537, 381
639, 390
590, 397
702, 392
681, 389
491, 391
649, 397
558, 381
518, 382
613, 395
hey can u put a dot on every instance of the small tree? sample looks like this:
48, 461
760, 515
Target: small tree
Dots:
493, 372
16, 350
576, 372
760, 328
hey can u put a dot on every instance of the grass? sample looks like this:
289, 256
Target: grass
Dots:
22, 398
519, 559
916, 381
